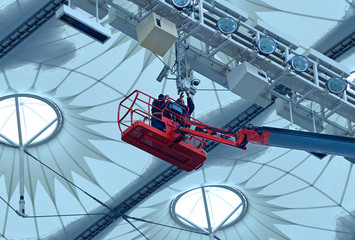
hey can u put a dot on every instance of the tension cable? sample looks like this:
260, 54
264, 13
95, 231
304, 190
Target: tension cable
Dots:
125, 217
82, 190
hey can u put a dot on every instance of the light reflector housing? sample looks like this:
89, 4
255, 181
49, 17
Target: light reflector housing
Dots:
83, 24
299, 63
181, 4
336, 85
227, 25
266, 45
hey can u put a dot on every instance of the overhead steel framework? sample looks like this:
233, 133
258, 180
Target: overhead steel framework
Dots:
206, 47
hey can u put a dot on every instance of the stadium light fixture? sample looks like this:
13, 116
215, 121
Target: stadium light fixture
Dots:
336, 85
299, 63
266, 45
227, 25
181, 4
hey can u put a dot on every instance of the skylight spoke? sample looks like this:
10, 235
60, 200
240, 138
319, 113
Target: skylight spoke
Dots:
8, 140
18, 119
226, 218
209, 207
41, 131
206, 209
192, 223
7, 120
35, 112
193, 208
11, 105
23, 117
222, 199
25, 100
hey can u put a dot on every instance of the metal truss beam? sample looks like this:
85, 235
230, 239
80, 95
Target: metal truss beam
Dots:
341, 47
29, 26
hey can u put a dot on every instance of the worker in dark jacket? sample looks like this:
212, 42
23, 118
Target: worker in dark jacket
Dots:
190, 105
157, 106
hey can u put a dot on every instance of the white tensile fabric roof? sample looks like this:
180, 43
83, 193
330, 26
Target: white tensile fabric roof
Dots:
291, 194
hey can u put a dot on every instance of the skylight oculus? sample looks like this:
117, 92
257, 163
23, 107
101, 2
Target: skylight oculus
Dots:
28, 120
225, 206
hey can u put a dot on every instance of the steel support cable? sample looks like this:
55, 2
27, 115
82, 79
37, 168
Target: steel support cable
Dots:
82, 190
47, 216
64, 215
8, 204
54, 215
130, 202
125, 217
58, 215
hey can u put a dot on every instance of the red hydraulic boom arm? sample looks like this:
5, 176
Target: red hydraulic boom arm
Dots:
182, 138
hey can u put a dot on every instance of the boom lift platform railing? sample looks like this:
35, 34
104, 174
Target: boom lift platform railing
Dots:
183, 138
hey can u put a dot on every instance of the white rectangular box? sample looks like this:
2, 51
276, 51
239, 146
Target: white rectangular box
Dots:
83, 24
249, 82
156, 34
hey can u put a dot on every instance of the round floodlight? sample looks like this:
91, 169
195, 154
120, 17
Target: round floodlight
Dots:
227, 25
181, 4
299, 63
266, 45
336, 85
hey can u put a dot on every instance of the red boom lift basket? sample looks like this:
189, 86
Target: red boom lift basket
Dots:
134, 121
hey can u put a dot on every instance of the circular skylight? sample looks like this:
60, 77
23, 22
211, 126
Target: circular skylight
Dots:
27, 120
209, 208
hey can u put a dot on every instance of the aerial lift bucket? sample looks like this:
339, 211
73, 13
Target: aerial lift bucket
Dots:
134, 118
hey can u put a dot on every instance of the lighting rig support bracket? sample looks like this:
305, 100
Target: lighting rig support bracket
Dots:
182, 81
185, 81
